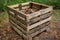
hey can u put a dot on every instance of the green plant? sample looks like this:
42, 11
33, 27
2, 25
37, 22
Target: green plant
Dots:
4, 3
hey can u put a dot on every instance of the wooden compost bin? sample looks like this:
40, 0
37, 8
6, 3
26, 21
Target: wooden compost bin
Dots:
29, 19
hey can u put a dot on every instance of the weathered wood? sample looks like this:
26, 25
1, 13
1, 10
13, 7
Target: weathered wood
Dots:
12, 18
38, 27
39, 23
40, 4
22, 25
29, 37
39, 31
17, 22
21, 20
34, 20
29, 23
40, 12
12, 6
10, 13
18, 31
17, 12
31, 5
22, 30
39, 18
47, 15
20, 6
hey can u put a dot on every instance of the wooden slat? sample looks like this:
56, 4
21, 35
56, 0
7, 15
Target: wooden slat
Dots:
38, 23
12, 6
20, 17
18, 31
43, 11
25, 3
38, 27
42, 17
12, 18
17, 12
37, 19
22, 25
18, 27
21, 20
40, 4
34, 20
9, 13
40, 12
17, 22
39, 31
16, 5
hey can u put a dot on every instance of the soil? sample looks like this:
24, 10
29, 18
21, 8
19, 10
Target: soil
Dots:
28, 10
7, 33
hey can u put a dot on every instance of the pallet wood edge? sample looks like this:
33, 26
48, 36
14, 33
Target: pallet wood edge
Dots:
41, 22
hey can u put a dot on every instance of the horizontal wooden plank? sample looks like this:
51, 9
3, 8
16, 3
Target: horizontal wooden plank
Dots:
42, 17
19, 32
26, 3
12, 18
18, 18
39, 31
22, 25
11, 13
35, 3
16, 5
39, 18
39, 23
17, 22
38, 27
43, 11
21, 20
17, 12
40, 12
34, 20
18, 27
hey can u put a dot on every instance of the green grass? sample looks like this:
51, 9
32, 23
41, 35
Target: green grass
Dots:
3, 16
4, 3
56, 15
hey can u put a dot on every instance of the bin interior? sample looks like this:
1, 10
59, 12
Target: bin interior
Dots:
30, 8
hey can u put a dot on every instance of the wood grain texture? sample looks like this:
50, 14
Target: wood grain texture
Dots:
17, 22
32, 22
16, 5
40, 12
21, 20
38, 27
18, 27
17, 12
39, 23
39, 31
39, 18
19, 32
12, 14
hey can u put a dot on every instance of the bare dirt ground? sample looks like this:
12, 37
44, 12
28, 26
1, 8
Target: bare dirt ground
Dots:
7, 33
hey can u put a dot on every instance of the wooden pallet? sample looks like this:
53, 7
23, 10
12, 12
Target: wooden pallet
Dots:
31, 24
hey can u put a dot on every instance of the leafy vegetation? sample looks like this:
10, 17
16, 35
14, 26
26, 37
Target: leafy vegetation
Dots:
4, 3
